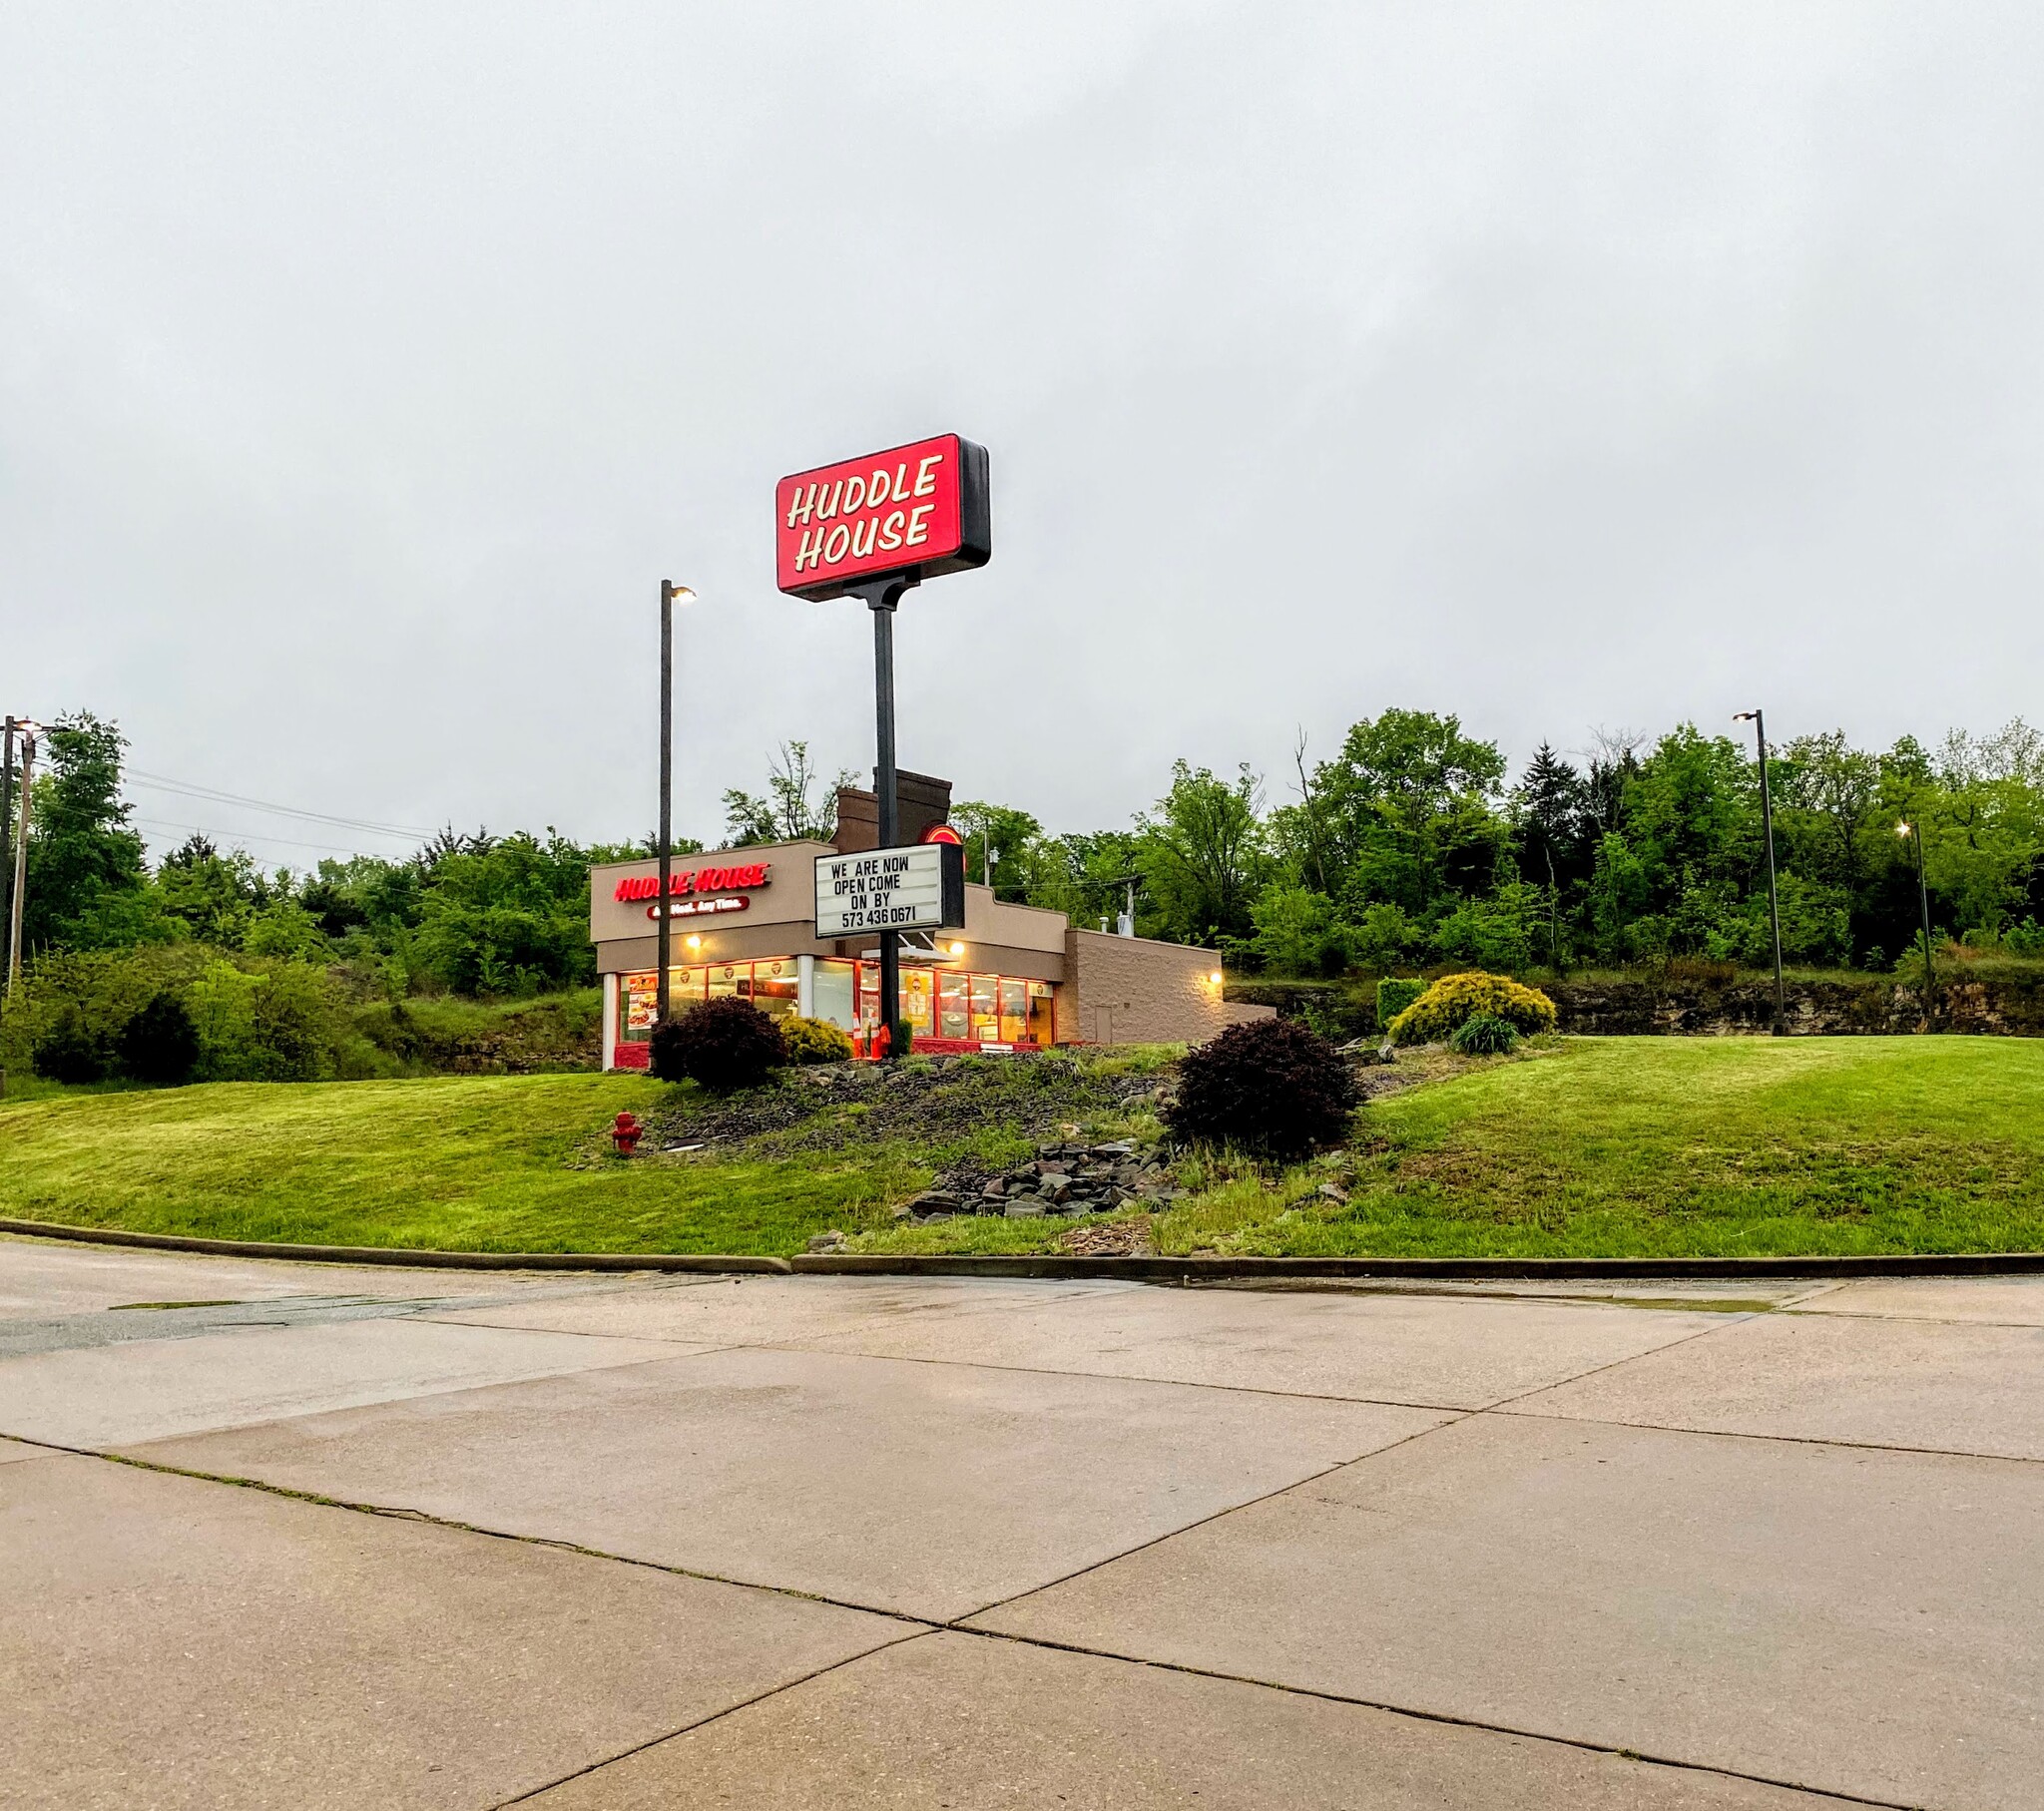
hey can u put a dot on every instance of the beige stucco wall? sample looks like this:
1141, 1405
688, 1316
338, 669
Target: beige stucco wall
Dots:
1131, 989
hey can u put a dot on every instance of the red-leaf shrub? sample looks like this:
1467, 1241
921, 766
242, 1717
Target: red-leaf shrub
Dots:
724, 1044
1269, 1087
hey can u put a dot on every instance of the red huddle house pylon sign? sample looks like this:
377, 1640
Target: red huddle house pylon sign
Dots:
916, 511
872, 528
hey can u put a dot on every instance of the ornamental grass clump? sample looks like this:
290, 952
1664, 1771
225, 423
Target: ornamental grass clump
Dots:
1271, 1088
724, 1044
1486, 1035
1454, 1000
814, 1041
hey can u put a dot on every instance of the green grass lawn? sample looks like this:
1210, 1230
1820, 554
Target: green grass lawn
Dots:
483, 1162
1583, 1147
1673, 1147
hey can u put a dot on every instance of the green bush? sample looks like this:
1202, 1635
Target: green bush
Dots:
814, 1041
72, 1051
295, 1028
160, 1045
1394, 993
1455, 998
722, 1044
1269, 1087
1486, 1035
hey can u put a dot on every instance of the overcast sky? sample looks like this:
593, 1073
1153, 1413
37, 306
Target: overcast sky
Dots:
364, 368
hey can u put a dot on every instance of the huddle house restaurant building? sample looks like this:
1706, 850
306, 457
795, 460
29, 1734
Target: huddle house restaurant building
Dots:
744, 923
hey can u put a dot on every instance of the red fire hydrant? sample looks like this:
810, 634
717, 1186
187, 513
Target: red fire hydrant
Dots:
625, 1132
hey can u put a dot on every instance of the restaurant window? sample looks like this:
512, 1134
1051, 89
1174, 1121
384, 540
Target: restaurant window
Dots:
983, 1007
956, 1006
918, 998
774, 987
1014, 1011
951, 1002
831, 992
1042, 1014
776, 990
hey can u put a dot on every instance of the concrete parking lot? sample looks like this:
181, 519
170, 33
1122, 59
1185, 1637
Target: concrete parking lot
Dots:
308, 1536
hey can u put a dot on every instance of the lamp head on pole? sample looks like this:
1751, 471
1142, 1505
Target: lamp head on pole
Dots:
1744, 717
676, 593
1902, 829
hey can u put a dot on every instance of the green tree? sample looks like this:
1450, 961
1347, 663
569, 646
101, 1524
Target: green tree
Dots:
1202, 854
1297, 932
512, 919
88, 887
1408, 813
209, 895
1008, 835
799, 805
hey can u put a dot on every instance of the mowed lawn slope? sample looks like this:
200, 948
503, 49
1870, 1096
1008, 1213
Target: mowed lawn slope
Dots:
457, 1162
1589, 1146
1680, 1147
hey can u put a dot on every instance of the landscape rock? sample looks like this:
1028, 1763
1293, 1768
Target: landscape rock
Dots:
1025, 1210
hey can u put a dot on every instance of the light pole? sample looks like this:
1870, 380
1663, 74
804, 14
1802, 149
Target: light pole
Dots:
1910, 834
20, 887
1760, 724
669, 595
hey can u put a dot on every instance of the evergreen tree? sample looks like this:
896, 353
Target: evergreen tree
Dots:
87, 884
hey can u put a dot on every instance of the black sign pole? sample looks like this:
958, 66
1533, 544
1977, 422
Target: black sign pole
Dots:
881, 599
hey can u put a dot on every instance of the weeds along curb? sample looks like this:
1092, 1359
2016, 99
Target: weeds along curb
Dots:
1186, 1271
405, 1256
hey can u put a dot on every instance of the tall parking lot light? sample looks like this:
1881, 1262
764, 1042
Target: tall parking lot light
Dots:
18, 886
1760, 722
1910, 834
671, 594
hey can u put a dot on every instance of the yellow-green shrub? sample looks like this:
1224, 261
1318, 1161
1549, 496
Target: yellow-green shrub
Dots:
814, 1041
1455, 998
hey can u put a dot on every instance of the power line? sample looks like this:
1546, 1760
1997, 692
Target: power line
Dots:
157, 782
207, 831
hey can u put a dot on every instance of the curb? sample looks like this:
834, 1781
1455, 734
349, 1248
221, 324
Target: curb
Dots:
1185, 1271
400, 1255
1193, 1271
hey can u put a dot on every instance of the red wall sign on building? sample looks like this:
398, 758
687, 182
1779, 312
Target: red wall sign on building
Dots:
919, 510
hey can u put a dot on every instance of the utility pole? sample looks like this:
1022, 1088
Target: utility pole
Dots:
14, 903
7, 848
1760, 724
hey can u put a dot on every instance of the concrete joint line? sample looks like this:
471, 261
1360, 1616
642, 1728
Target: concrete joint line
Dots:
396, 1512
714, 1716
1816, 1440
1446, 1719
1232, 1509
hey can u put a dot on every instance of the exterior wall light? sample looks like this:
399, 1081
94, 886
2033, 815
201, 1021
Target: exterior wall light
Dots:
957, 949
694, 940
1215, 978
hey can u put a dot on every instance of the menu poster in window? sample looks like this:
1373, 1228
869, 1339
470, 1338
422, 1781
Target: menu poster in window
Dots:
919, 888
